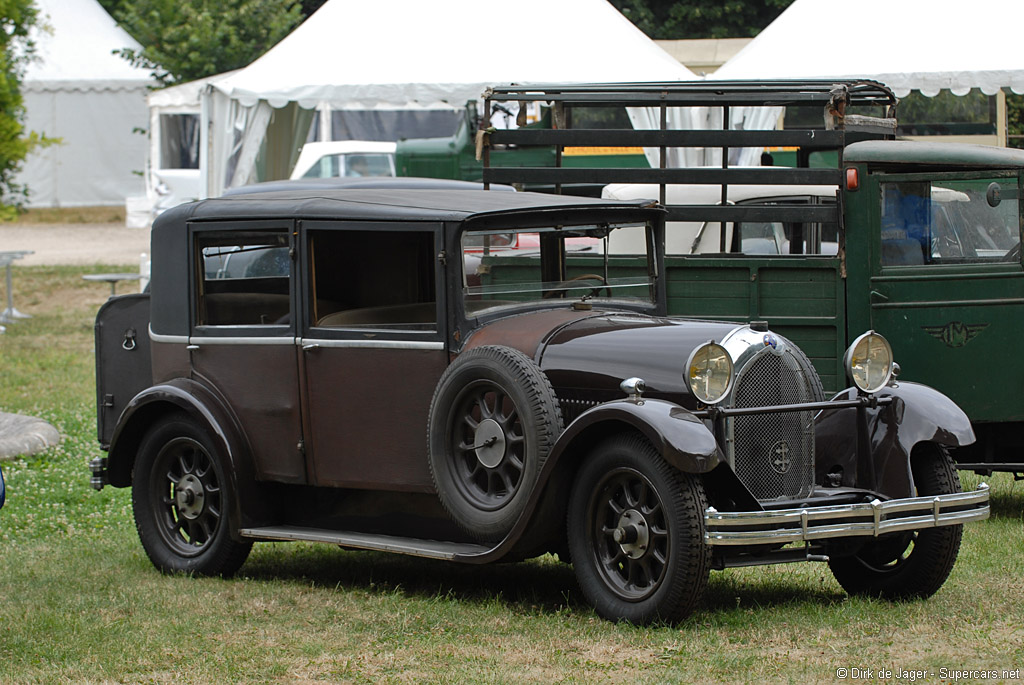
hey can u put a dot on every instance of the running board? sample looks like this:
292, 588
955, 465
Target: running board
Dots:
990, 466
431, 549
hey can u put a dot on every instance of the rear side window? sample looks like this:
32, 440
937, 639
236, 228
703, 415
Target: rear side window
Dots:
373, 279
245, 279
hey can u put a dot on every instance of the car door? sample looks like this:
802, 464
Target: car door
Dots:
373, 350
947, 285
243, 343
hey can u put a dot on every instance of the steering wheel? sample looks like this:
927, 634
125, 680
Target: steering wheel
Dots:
565, 285
1014, 254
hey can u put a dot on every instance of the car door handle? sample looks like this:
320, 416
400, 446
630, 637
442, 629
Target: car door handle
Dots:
875, 295
310, 347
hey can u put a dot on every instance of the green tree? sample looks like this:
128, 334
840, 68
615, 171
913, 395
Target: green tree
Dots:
183, 40
17, 18
668, 19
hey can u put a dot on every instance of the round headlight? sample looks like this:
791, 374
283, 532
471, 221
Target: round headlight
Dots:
868, 362
709, 373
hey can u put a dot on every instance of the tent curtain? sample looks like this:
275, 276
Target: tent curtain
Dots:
704, 118
232, 146
289, 126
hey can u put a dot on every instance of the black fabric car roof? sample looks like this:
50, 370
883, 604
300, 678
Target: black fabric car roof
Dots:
378, 205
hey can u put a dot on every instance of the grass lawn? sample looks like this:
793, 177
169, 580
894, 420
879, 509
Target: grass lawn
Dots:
80, 602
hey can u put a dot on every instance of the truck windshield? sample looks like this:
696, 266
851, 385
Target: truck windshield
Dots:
949, 221
504, 268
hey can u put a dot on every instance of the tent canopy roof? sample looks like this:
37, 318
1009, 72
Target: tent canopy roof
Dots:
925, 45
75, 49
410, 53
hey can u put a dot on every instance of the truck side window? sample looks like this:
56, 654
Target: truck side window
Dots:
245, 279
373, 279
946, 222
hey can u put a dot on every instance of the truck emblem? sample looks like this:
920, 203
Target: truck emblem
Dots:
955, 333
770, 341
780, 458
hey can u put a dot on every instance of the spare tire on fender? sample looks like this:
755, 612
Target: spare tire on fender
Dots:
493, 419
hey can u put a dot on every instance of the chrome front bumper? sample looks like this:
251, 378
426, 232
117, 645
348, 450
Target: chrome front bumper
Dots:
845, 520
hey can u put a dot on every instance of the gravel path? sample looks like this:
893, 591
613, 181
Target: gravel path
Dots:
75, 243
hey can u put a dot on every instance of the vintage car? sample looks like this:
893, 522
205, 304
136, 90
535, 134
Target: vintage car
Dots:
345, 158
395, 369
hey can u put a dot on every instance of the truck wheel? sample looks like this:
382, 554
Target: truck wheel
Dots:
493, 419
636, 533
181, 496
915, 563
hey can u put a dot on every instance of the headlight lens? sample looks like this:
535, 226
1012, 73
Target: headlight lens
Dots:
869, 362
709, 372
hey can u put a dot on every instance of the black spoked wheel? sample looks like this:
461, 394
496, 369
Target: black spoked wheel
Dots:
636, 533
489, 444
910, 564
180, 497
493, 420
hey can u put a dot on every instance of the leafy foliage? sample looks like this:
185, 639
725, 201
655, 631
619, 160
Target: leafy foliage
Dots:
184, 40
1015, 119
17, 17
668, 19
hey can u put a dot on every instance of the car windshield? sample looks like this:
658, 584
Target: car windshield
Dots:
609, 263
352, 165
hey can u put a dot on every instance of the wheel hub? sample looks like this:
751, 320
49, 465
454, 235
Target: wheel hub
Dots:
632, 534
489, 443
189, 496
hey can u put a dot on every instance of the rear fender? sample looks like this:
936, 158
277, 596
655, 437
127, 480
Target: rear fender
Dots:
917, 414
183, 396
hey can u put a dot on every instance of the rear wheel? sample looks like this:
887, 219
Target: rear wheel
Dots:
910, 564
636, 533
181, 496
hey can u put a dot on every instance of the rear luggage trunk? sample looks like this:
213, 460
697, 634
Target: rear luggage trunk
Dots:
123, 360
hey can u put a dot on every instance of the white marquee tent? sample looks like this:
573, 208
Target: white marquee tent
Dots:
925, 45
92, 99
410, 54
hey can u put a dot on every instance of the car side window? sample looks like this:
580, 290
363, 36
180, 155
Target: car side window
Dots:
244, 279
948, 222
373, 279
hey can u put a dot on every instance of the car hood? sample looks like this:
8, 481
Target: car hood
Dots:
597, 353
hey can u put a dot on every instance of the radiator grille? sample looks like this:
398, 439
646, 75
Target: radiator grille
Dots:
774, 453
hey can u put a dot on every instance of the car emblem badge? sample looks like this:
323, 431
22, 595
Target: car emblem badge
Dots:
779, 457
955, 333
770, 341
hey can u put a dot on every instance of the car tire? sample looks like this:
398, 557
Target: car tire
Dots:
912, 564
636, 533
182, 497
493, 419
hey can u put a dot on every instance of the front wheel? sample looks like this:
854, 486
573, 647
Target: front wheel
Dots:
911, 564
636, 533
181, 496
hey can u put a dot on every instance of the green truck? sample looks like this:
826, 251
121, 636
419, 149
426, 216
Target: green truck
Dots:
919, 241
458, 156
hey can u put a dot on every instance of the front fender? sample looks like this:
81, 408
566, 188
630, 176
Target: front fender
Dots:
917, 414
680, 437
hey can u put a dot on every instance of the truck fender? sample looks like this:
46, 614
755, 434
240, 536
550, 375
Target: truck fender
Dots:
917, 414
193, 399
